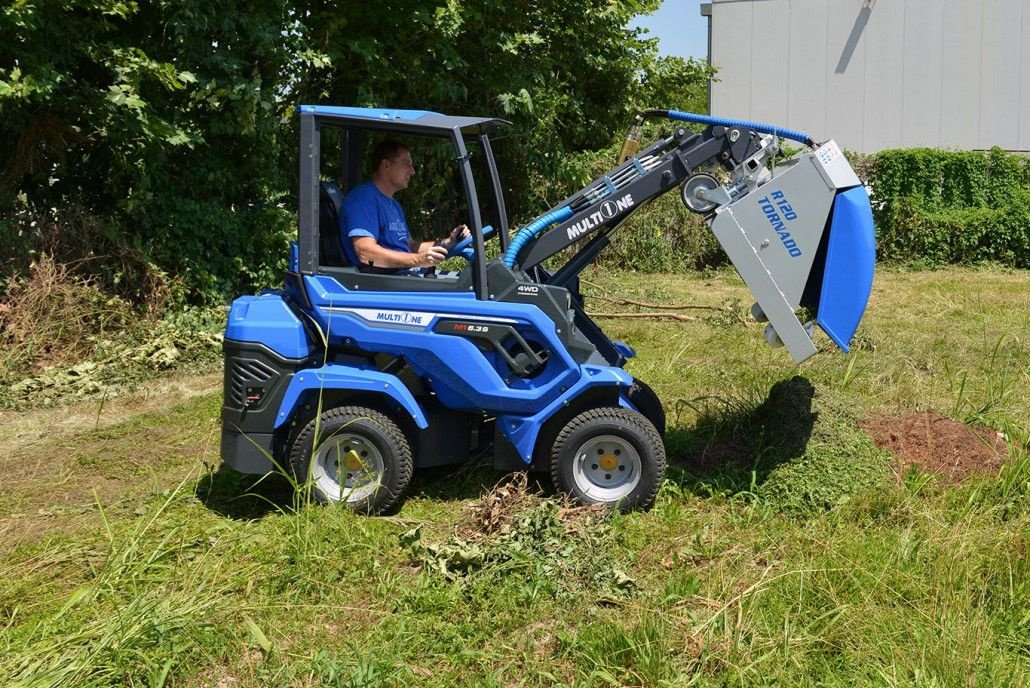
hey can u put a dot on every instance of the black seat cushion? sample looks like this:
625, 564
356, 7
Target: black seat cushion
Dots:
330, 203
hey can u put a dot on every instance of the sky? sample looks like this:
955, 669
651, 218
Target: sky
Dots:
680, 28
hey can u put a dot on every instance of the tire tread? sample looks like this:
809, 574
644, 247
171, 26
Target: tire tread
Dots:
619, 415
303, 446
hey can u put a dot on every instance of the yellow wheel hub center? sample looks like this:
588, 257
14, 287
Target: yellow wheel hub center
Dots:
352, 462
608, 462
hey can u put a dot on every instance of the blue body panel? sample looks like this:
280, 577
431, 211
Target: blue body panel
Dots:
335, 376
462, 376
294, 261
522, 431
267, 320
850, 261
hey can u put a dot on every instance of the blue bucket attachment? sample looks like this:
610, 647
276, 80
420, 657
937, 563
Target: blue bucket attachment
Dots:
850, 261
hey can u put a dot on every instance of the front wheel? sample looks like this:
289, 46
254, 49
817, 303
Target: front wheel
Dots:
359, 458
610, 456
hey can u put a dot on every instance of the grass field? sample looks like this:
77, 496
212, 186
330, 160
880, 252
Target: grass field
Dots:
785, 547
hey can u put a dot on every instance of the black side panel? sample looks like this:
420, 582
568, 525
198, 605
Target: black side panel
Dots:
363, 280
330, 205
557, 303
449, 437
255, 382
596, 336
248, 453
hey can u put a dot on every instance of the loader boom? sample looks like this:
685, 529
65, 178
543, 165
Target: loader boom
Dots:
790, 231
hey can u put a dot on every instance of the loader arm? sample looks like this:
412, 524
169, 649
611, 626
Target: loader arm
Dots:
800, 233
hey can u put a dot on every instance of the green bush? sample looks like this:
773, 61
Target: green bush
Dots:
931, 207
937, 207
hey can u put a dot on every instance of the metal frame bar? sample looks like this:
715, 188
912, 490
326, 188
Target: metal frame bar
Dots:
680, 155
495, 181
475, 219
307, 216
310, 174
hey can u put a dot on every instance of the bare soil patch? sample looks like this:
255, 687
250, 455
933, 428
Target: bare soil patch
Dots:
936, 444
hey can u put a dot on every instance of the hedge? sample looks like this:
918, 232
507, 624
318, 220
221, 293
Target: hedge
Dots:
931, 207
937, 207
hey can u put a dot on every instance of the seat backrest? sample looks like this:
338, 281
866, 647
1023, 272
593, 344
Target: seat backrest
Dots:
330, 204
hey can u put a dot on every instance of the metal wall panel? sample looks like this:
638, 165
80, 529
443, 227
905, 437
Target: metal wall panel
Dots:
844, 60
1023, 122
884, 37
960, 68
769, 95
877, 74
806, 78
921, 62
1000, 74
734, 53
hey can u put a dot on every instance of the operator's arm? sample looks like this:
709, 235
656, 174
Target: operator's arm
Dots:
368, 251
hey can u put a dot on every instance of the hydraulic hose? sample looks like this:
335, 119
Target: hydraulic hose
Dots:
531, 230
708, 120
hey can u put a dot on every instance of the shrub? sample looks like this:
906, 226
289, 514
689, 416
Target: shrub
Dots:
53, 317
938, 207
930, 206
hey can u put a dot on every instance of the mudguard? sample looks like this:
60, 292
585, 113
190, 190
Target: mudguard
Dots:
268, 320
522, 431
848, 272
335, 376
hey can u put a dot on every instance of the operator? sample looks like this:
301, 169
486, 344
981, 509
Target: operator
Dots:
374, 232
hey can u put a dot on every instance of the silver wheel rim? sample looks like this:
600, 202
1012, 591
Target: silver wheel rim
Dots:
606, 468
347, 467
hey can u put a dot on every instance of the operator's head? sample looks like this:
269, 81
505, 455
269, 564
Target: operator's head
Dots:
392, 165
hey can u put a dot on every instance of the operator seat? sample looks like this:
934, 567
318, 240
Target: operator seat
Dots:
330, 203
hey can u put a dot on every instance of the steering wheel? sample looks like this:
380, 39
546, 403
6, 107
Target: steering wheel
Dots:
464, 247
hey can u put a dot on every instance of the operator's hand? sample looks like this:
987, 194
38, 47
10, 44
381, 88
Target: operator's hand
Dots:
431, 256
457, 234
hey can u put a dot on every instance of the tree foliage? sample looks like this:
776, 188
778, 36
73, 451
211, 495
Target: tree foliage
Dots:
171, 123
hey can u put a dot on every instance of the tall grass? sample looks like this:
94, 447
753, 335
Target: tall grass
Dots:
212, 581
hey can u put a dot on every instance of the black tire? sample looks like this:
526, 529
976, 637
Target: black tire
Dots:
382, 461
630, 465
647, 402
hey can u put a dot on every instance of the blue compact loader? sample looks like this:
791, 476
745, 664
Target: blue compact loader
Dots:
351, 376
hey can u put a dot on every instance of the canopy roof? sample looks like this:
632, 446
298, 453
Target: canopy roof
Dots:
415, 121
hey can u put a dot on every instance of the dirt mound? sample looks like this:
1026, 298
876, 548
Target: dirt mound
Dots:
938, 445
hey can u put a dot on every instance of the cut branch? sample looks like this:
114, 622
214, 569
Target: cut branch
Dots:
655, 316
660, 306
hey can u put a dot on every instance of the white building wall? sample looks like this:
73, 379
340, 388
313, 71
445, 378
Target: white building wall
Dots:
877, 74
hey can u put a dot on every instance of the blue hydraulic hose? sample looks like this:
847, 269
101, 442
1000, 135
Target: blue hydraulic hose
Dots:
799, 136
531, 230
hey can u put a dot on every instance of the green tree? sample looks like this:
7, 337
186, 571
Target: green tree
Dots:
569, 74
160, 118
170, 124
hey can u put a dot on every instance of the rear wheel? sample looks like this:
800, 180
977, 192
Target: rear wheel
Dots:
360, 458
611, 456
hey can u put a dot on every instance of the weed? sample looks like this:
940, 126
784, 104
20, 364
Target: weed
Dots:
54, 317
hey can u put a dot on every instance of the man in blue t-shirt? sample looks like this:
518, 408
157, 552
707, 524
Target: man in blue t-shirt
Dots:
373, 229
